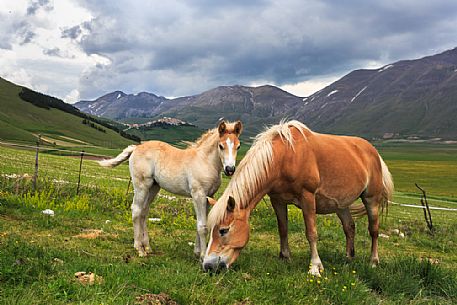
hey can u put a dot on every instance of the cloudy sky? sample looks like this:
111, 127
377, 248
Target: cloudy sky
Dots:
82, 49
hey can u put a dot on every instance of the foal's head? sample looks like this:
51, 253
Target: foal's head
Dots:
227, 238
229, 144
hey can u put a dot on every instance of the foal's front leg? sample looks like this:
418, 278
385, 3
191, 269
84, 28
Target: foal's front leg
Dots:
200, 206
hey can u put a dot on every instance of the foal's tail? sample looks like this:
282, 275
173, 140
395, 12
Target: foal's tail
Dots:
388, 185
358, 209
124, 155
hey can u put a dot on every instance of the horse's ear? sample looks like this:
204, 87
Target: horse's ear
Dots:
222, 128
238, 128
210, 201
230, 204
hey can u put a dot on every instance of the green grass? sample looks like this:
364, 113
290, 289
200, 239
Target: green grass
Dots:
30, 242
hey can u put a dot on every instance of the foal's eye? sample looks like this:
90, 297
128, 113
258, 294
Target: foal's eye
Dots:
223, 231
221, 147
238, 147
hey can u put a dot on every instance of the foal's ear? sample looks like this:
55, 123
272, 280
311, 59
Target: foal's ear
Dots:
230, 204
238, 128
210, 201
222, 128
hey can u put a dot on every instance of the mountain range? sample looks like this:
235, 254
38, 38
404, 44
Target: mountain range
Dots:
406, 98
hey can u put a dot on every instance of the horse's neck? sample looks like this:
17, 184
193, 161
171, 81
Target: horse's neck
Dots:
250, 199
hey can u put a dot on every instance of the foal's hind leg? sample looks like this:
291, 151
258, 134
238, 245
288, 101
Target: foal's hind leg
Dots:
349, 230
144, 216
372, 207
201, 209
140, 208
281, 215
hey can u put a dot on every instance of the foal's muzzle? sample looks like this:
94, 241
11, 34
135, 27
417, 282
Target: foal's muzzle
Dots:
229, 170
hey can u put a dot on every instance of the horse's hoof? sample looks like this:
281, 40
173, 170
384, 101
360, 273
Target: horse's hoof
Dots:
314, 271
284, 257
374, 262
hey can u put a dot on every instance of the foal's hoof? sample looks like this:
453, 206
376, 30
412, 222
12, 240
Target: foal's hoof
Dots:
143, 251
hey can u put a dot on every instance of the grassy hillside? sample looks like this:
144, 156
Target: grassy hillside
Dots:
169, 134
21, 121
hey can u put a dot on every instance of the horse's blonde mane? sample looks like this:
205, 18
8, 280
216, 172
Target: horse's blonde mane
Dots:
253, 170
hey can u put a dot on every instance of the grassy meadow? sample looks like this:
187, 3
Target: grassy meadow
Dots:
92, 232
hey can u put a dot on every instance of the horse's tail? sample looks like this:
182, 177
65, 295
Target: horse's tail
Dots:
388, 185
124, 155
358, 209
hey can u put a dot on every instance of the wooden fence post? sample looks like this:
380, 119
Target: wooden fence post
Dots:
35, 174
427, 214
80, 167
128, 187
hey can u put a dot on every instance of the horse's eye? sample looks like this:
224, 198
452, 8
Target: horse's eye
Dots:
223, 231
238, 147
221, 147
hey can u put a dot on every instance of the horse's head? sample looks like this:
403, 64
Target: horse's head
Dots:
227, 238
229, 144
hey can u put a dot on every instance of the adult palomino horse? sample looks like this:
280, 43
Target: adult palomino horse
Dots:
319, 173
194, 172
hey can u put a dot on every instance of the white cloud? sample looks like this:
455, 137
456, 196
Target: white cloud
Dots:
307, 88
72, 97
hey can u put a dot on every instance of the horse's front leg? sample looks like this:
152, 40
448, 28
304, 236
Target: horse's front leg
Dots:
280, 209
308, 205
200, 206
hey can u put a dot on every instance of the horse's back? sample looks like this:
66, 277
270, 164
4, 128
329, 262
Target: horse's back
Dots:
335, 168
161, 163
348, 166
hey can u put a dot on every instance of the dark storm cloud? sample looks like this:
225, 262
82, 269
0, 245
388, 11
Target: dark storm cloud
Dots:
183, 47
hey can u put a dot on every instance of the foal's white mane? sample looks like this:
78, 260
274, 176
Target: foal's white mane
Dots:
253, 170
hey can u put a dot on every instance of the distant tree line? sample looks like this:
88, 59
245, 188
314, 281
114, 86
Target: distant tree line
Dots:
47, 102
89, 123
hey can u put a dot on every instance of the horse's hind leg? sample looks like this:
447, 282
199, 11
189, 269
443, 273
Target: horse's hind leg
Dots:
140, 208
281, 215
372, 207
349, 230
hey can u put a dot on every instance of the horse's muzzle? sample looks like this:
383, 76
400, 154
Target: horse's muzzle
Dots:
214, 263
229, 170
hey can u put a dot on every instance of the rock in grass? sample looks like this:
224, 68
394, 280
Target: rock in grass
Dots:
88, 278
48, 212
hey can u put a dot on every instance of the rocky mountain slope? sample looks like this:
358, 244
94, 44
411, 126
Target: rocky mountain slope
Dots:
405, 98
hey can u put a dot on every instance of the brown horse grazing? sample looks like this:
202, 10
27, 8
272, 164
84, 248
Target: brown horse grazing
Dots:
193, 172
319, 173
